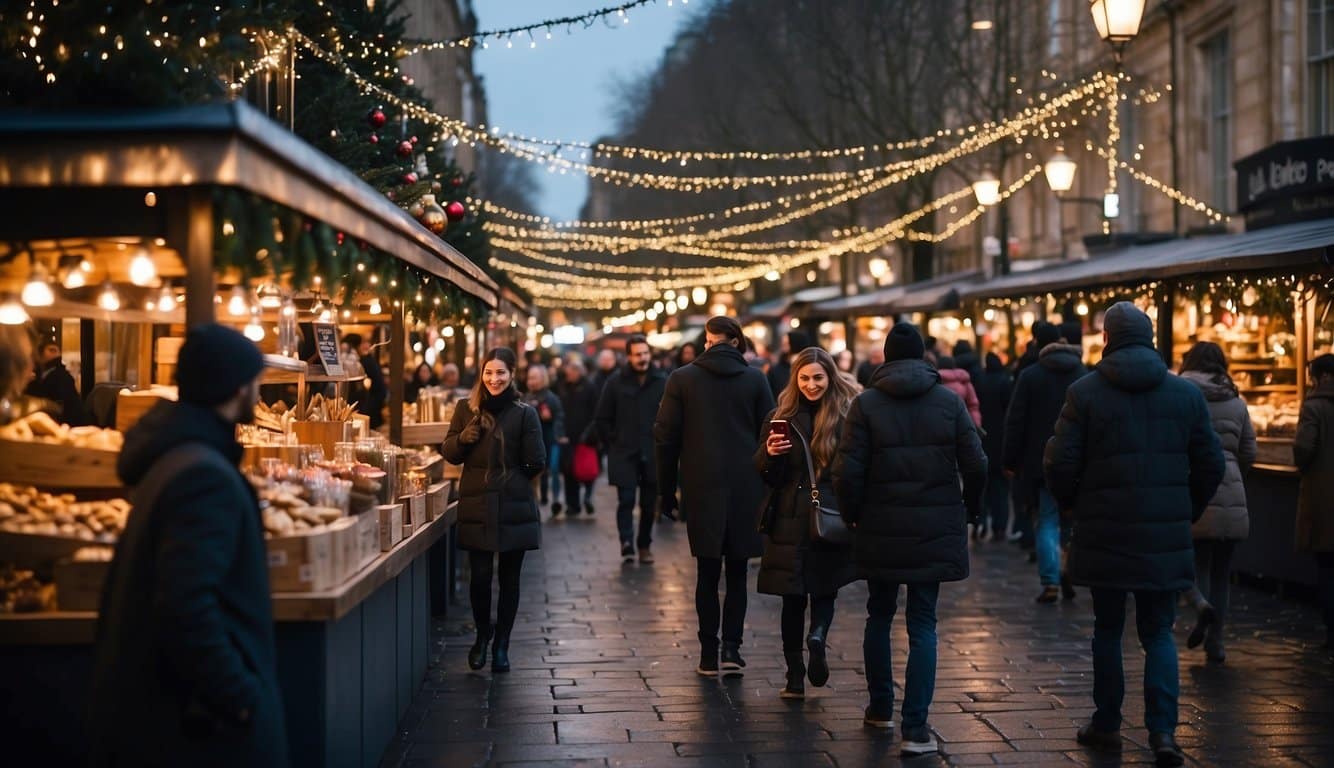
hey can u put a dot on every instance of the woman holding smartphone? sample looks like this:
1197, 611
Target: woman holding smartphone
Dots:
801, 570
498, 440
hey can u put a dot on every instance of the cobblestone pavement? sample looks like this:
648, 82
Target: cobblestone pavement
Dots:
604, 657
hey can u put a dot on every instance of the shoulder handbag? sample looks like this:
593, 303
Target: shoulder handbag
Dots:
827, 524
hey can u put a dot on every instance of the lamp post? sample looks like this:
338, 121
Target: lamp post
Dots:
987, 191
1060, 172
1117, 22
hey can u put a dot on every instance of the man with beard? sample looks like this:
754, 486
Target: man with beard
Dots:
625, 414
54, 383
184, 670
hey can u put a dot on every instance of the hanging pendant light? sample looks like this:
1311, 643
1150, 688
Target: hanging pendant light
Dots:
108, 299
37, 291
142, 269
11, 311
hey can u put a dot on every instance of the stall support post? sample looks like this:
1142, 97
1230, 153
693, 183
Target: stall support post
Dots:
87, 357
199, 280
1165, 305
397, 362
145, 363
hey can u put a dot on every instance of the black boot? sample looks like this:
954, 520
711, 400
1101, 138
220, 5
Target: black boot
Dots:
1205, 618
796, 672
731, 660
815, 643
500, 656
477, 653
1166, 752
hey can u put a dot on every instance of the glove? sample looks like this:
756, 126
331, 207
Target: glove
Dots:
471, 433
667, 506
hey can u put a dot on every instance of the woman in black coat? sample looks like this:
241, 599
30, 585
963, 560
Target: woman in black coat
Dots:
498, 440
579, 399
994, 388
793, 565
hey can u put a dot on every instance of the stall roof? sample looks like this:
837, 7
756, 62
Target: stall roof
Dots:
776, 308
1300, 245
226, 144
924, 296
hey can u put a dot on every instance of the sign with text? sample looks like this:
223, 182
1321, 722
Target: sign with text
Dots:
1287, 182
326, 341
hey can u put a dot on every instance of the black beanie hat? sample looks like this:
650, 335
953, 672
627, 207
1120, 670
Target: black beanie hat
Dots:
214, 363
1127, 326
1045, 333
904, 343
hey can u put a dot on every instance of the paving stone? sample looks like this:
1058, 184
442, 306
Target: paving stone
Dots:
604, 659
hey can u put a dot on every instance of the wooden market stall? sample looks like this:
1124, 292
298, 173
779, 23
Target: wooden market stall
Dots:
158, 209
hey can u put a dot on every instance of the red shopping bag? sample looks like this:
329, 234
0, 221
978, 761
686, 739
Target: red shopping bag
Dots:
586, 465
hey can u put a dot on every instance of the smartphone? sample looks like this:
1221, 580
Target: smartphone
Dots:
778, 427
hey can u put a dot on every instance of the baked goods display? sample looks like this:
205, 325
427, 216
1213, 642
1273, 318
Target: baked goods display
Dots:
41, 428
24, 509
21, 591
1275, 416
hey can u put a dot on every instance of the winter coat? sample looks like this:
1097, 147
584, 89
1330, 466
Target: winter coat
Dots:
1313, 451
706, 434
1035, 406
1226, 516
1136, 457
496, 508
971, 364
55, 383
793, 564
625, 416
906, 442
579, 401
993, 396
185, 670
550, 413
960, 383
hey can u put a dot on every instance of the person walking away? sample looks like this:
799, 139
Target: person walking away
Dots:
968, 360
579, 400
794, 566
960, 382
781, 371
909, 476
1225, 521
184, 668
868, 366
1136, 458
54, 383
994, 388
552, 415
706, 432
498, 439
1038, 396
1314, 454
625, 415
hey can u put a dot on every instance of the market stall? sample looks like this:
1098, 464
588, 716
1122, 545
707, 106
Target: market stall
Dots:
185, 216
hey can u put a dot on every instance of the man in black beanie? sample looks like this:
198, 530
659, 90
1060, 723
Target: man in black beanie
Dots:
1136, 458
906, 443
185, 661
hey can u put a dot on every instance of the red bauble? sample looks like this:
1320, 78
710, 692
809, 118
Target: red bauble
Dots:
377, 118
374, 139
413, 139
455, 211
457, 181
405, 149
410, 178
340, 237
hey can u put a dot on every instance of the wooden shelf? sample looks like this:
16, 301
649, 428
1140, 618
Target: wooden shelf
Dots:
1270, 388
426, 433
49, 628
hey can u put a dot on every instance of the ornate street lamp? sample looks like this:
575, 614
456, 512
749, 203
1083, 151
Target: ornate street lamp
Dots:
1060, 172
1117, 21
987, 189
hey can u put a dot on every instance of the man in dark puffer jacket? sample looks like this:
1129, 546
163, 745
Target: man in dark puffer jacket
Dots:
1135, 456
906, 442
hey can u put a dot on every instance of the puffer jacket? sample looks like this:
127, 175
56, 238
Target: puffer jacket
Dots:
1226, 516
906, 442
1136, 457
958, 381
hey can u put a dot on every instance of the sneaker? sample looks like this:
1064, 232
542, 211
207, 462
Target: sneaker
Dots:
1103, 741
1166, 752
789, 691
708, 664
645, 556
627, 553
1050, 594
1203, 621
919, 741
874, 718
732, 663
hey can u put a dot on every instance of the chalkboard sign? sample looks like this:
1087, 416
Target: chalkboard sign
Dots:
326, 341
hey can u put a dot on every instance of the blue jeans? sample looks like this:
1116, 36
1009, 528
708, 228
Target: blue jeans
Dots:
1155, 612
919, 687
1051, 533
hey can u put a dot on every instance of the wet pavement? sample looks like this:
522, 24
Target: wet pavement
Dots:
604, 659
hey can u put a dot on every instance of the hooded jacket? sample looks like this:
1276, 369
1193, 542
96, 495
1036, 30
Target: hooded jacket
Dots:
1313, 451
906, 442
625, 417
185, 669
1038, 396
1226, 516
1136, 457
707, 432
960, 382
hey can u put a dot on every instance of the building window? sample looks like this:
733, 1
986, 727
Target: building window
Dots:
1218, 67
1320, 65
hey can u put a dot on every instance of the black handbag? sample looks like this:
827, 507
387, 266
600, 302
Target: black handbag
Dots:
827, 524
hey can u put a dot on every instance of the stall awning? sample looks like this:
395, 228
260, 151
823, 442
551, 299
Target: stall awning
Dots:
935, 295
1295, 246
776, 308
229, 145
924, 296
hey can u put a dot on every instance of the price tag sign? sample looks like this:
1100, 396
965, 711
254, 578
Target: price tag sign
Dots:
326, 341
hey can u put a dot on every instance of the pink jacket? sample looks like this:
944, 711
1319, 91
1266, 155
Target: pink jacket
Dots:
959, 382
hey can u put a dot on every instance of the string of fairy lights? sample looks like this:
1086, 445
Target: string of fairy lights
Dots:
621, 13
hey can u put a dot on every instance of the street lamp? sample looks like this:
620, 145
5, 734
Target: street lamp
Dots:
1060, 172
1117, 21
987, 189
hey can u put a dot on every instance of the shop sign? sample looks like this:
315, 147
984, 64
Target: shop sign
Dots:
326, 341
1287, 182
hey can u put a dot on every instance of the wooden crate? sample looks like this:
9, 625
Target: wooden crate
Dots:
303, 561
323, 433
49, 465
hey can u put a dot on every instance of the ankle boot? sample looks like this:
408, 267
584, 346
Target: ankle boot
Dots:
815, 643
731, 661
477, 653
500, 656
796, 672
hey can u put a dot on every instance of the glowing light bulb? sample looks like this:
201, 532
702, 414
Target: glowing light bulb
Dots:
142, 268
237, 306
375, 307
108, 299
166, 300
254, 331
699, 295
37, 291
75, 278
11, 311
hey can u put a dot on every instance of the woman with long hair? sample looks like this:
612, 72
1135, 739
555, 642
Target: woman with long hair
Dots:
498, 440
794, 566
1225, 521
